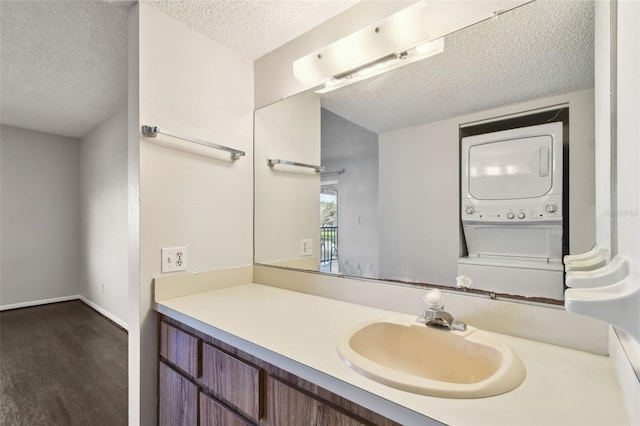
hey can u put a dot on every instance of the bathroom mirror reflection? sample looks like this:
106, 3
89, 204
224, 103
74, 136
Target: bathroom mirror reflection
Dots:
387, 205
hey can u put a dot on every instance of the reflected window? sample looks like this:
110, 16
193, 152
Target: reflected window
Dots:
328, 229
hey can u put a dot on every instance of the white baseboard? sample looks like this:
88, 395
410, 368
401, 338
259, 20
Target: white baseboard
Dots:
38, 302
104, 312
86, 301
627, 379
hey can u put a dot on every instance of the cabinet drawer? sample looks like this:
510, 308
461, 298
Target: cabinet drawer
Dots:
212, 413
232, 381
180, 349
177, 401
289, 406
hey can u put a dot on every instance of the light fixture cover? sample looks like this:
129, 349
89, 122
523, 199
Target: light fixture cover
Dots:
407, 57
400, 31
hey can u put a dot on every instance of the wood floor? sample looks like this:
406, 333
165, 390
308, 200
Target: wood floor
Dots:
62, 364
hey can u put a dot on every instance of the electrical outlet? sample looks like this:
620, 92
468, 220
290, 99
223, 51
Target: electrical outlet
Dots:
369, 266
306, 247
102, 287
174, 259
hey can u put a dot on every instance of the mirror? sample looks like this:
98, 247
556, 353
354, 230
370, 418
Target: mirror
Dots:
387, 205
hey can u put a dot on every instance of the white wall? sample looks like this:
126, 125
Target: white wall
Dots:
136, 306
627, 211
419, 191
40, 236
418, 199
287, 198
628, 193
348, 146
190, 195
602, 123
104, 213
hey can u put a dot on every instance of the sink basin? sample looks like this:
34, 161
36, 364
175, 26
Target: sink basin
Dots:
410, 356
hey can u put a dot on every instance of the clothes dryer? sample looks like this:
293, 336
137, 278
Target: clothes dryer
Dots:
511, 210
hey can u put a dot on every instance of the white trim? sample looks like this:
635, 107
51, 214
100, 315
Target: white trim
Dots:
38, 302
83, 299
627, 380
104, 312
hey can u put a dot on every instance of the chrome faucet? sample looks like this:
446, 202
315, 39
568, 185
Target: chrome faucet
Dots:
435, 315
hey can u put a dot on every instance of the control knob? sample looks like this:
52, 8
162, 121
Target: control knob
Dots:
521, 215
510, 215
469, 210
552, 208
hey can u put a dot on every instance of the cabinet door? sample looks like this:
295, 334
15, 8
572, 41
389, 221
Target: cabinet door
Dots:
233, 381
178, 399
179, 348
289, 406
213, 413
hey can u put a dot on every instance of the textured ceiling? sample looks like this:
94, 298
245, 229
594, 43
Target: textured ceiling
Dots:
252, 27
64, 64
541, 49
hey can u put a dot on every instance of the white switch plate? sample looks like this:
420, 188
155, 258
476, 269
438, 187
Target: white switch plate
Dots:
174, 259
306, 247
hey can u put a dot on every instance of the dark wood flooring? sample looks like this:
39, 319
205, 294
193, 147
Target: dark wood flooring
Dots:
62, 364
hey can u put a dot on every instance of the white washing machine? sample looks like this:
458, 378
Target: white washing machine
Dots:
511, 202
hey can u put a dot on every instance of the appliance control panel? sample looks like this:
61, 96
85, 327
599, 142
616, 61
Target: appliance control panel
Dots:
533, 212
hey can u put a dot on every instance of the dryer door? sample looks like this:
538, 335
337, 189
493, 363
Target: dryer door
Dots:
508, 169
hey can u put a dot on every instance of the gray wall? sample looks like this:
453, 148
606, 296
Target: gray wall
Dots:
104, 225
40, 236
348, 146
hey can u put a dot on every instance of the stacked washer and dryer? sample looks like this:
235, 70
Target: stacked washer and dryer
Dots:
511, 202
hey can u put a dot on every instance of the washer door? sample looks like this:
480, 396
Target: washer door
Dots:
511, 168
542, 241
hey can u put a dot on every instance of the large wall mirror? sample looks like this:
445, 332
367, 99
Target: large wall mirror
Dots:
387, 204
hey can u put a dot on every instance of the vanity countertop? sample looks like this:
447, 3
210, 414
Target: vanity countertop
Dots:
299, 333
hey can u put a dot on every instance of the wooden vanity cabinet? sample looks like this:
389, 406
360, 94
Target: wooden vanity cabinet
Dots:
290, 406
206, 382
233, 381
177, 398
213, 413
180, 349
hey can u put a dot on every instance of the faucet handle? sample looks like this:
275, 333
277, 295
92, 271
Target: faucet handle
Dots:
434, 299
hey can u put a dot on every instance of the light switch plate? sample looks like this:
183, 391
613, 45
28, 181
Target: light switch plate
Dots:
306, 247
174, 259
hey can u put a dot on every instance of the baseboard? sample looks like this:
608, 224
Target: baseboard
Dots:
104, 313
83, 299
38, 302
627, 379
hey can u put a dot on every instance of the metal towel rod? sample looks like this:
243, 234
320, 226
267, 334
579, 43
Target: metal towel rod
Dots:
152, 132
273, 162
337, 172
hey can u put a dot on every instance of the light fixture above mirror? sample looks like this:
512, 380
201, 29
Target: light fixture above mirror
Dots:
398, 40
384, 64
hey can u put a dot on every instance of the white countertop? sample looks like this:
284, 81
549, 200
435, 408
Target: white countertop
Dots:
299, 332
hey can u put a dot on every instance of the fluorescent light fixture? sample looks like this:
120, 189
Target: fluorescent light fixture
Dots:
383, 65
396, 33
431, 47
